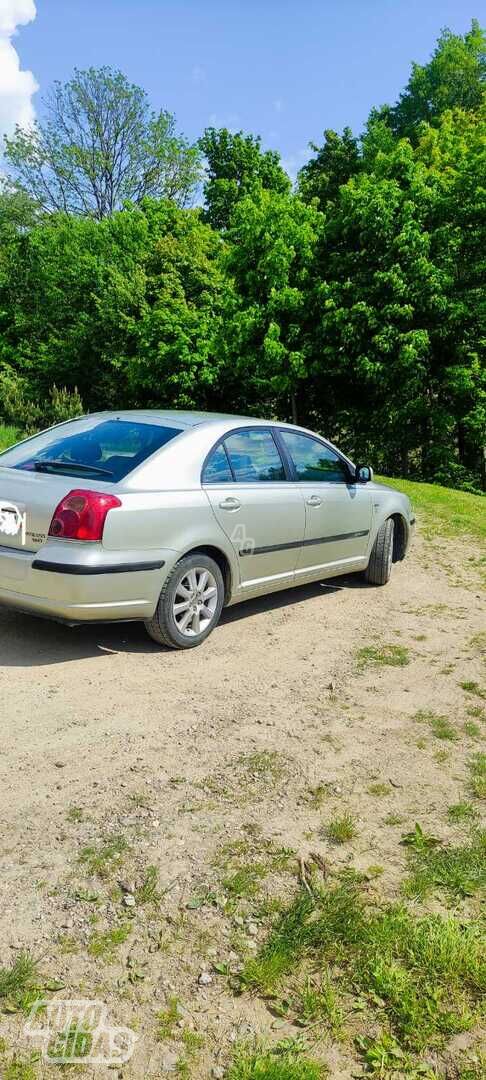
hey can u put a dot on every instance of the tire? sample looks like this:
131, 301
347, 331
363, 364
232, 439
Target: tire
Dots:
193, 589
379, 568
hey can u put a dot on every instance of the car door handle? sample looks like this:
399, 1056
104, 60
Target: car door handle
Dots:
230, 504
314, 500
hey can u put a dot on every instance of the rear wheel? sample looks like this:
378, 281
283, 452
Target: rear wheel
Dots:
190, 603
379, 567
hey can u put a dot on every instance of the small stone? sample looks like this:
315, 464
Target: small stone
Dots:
129, 900
205, 979
218, 1072
169, 1061
60, 764
126, 886
252, 929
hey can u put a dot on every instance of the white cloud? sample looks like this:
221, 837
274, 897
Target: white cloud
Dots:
278, 105
17, 87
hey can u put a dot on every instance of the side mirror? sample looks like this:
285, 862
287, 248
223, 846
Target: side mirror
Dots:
363, 474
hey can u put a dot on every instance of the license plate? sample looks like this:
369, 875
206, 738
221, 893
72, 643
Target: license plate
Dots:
13, 521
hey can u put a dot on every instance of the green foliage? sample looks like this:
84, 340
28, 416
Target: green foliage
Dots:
443, 512
271, 244
425, 976
16, 1069
454, 77
104, 858
8, 436
477, 772
461, 870
461, 812
127, 310
332, 166
440, 726
279, 1063
237, 167
340, 830
18, 982
75, 1042
103, 946
382, 655
354, 305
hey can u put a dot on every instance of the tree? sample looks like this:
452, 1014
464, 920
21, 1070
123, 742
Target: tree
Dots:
454, 77
333, 165
398, 306
237, 166
100, 146
127, 310
17, 211
270, 251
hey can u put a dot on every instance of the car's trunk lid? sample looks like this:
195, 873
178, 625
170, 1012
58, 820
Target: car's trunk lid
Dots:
27, 504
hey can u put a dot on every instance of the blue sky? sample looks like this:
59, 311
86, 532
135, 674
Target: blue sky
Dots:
279, 68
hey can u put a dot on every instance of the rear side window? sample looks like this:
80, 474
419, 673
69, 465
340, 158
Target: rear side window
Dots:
108, 449
254, 457
217, 469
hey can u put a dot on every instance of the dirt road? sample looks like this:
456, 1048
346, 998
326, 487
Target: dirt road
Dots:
254, 740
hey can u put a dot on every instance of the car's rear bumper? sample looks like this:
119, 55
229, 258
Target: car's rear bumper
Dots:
80, 584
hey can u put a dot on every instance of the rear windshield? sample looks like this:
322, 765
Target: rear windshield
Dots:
108, 449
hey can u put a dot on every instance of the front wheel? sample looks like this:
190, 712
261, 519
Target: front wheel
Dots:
190, 603
379, 568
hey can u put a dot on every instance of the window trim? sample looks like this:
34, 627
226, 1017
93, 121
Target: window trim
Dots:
281, 431
273, 432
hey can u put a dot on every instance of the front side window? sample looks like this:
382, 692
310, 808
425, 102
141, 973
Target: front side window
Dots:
313, 461
108, 449
254, 457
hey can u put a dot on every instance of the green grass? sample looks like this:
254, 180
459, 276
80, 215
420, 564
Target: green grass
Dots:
104, 946
245, 881
18, 983
103, 859
472, 687
472, 729
317, 796
444, 511
462, 812
279, 1063
74, 1042
8, 436
440, 726
317, 1001
477, 773
147, 892
16, 1069
472, 1065
460, 871
168, 1019
264, 764
423, 976
379, 789
340, 830
385, 655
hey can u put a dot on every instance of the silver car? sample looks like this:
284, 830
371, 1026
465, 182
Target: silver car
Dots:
167, 517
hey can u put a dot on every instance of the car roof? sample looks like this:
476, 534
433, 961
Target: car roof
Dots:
184, 417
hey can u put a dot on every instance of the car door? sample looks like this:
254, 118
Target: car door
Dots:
338, 512
257, 505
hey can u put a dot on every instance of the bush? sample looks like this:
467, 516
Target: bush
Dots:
21, 411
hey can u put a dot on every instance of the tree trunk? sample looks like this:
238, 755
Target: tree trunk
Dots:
293, 402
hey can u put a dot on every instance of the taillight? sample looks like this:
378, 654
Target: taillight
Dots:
81, 515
